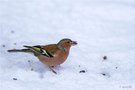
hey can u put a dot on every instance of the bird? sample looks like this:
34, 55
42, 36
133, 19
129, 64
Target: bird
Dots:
51, 54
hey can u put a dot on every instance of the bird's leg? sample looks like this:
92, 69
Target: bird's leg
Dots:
52, 69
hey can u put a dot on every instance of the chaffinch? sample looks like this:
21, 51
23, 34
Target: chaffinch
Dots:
52, 54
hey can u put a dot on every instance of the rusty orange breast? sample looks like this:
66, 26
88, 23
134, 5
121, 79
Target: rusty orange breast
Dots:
58, 58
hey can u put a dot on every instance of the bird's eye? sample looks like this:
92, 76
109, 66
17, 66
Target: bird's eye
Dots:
68, 42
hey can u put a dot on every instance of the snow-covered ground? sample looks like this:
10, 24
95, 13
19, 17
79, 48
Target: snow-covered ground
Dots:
101, 27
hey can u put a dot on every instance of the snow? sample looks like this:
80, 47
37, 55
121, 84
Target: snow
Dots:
101, 28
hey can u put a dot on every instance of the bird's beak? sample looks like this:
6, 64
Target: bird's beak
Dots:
74, 43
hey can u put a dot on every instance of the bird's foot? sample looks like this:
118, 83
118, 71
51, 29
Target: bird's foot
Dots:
54, 72
52, 69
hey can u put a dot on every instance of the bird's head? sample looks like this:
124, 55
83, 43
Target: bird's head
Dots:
66, 43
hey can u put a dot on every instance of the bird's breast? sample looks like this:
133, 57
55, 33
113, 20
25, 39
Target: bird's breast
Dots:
58, 59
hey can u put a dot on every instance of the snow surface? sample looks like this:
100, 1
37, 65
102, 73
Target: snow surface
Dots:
101, 27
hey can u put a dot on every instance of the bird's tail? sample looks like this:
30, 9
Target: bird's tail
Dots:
30, 49
19, 50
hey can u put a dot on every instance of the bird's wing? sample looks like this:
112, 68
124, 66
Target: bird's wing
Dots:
52, 49
42, 50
